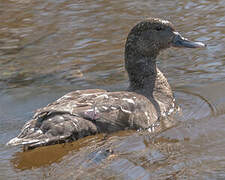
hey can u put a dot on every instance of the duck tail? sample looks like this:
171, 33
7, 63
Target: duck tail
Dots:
21, 141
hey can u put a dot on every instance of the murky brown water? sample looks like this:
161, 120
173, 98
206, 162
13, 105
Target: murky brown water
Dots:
48, 48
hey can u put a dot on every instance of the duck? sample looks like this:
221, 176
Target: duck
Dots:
148, 98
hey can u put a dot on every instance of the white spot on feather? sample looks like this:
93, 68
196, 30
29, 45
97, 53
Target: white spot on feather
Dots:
146, 114
103, 96
83, 95
163, 114
113, 108
173, 105
151, 129
67, 95
96, 110
128, 100
170, 111
88, 110
39, 131
104, 107
29, 141
164, 21
75, 124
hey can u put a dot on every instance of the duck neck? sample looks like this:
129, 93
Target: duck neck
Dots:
142, 70
142, 73
145, 78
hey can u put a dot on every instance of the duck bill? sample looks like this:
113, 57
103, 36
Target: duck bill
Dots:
179, 41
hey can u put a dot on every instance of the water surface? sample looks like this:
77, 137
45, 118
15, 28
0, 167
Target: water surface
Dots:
50, 48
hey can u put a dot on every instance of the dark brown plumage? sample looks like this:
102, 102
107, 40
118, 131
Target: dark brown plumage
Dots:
85, 112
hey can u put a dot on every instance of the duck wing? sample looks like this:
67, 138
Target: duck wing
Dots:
86, 112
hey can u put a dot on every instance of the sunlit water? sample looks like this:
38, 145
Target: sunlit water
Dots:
48, 48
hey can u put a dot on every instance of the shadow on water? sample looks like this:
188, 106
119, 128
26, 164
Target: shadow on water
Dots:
96, 148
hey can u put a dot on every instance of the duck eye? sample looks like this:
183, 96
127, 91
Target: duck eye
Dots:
158, 28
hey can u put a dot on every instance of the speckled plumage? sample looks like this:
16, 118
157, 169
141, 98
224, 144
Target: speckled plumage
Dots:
85, 112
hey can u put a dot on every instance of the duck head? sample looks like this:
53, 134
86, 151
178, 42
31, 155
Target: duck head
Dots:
148, 37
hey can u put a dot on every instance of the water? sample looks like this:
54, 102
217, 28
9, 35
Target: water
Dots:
50, 48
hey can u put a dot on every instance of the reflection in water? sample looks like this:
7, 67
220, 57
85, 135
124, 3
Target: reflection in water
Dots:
40, 157
47, 155
52, 47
